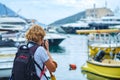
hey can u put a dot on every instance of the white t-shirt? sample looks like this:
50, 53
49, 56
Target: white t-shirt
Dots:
40, 57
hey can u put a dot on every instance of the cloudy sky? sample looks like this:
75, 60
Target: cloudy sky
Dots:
48, 11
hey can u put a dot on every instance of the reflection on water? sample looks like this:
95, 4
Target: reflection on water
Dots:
91, 76
57, 49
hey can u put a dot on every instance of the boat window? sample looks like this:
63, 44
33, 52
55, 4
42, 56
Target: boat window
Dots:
118, 20
102, 35
107, 35
97, 34
13, 23
7, 26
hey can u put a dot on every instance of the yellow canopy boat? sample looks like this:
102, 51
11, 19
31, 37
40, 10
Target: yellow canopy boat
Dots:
107, 68
91, 76
104, 57
104, 41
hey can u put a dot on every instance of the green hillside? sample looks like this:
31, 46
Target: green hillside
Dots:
98, 13
69, 19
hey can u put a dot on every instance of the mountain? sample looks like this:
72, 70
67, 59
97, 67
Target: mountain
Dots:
94, 12
69, 19
6, 11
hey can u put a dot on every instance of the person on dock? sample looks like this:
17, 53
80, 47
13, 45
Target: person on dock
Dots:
42, 55
33, 59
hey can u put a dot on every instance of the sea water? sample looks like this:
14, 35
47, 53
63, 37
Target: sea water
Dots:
72, 50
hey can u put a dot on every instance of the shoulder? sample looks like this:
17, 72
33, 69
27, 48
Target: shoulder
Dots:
41, 54
40, 48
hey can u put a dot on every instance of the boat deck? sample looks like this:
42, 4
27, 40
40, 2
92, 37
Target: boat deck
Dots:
106, 62
110, 61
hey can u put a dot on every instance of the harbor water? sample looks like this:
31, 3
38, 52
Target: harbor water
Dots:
73, 50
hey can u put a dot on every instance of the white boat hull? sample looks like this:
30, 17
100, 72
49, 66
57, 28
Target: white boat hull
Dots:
7, 55
6, 68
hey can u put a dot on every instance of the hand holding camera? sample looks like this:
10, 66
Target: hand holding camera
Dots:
46, 44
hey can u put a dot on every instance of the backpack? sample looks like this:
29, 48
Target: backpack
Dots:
24, 64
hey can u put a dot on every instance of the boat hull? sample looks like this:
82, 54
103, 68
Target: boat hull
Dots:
55, 42
106, 70
5, 72
72, 30
92, 76
7, 55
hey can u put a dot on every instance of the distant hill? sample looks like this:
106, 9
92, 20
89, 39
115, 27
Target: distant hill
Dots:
99, 12
6, 11
69, 19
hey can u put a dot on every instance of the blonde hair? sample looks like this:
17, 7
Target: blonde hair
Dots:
35, 33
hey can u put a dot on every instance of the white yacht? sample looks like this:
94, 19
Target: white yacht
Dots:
54, 39
8, 23
72, 27
7, 55
106, 22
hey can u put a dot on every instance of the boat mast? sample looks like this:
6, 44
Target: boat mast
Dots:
105, 4
94, 12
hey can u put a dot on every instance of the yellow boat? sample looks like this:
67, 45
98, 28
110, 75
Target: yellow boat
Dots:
109, 68
103, 41
97, 31
104, 58
94, 48
91, 76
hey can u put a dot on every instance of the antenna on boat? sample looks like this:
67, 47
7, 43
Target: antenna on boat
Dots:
18, 12
94, 12
106, 4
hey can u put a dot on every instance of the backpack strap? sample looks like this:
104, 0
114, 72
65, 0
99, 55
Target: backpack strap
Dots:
42, 70
33, 49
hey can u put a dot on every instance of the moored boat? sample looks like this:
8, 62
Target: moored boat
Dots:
97, 31
104, 56
72, 27
19, 38
54, 39
105, 22
8, 23
92, 76
108, 68
7, 55
104, 41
